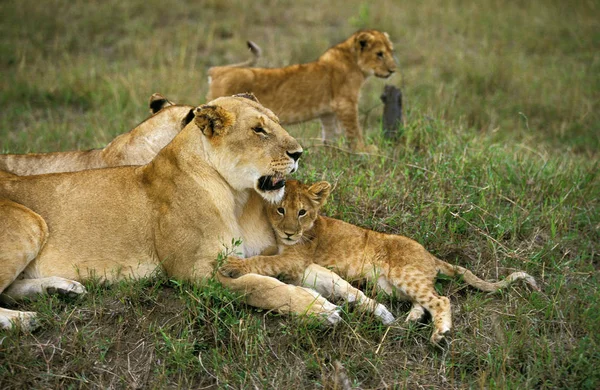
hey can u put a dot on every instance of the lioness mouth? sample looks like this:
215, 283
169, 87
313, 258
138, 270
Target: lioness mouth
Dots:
271, 183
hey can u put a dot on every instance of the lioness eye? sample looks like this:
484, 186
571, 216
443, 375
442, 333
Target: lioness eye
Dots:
281, 211
302, 212
380, 54
259, 130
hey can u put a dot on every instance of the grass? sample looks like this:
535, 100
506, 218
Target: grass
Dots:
496, 171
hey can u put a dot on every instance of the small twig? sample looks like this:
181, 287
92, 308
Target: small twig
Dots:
382, 340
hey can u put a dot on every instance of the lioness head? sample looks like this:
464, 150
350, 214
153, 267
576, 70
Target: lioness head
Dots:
245, 143
375, 53
297, 211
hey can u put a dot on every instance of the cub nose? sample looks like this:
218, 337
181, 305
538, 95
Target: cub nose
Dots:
295, 156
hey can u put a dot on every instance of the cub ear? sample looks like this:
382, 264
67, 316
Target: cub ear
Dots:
158, 102
213, 120
247, 95
319, 192
362, 40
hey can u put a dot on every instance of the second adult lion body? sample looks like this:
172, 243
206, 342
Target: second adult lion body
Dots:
136, 147
327, 89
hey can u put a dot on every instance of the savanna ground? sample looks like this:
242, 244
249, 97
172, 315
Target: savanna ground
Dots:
496, 170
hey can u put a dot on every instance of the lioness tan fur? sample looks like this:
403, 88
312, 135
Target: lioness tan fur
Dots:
397, 264
327, 88
175, 214
136, 147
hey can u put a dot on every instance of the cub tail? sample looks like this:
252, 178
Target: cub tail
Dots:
472, 280
256, 52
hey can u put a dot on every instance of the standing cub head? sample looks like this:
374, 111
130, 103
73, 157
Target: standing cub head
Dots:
245, 143
297, 212
375, 53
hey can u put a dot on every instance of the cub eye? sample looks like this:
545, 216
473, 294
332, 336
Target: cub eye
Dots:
380, 54
281, 211
259, 130
302, 212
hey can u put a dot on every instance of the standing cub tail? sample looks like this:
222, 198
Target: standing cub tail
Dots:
472, 280
256, 53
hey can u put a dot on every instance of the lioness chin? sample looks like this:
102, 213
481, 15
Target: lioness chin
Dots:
397, 264
327, 89
176, 213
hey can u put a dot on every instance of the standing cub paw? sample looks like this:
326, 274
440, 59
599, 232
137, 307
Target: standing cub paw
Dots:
234, 267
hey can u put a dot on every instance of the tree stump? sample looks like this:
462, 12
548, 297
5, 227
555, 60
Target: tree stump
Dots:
392, 111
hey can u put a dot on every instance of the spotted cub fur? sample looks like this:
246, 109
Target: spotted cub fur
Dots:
397, 264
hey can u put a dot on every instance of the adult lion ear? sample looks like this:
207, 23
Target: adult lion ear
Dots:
247, 95
319, 192
362, 40
213, 120
158, 102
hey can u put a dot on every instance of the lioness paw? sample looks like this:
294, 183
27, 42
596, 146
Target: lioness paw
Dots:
64, 287
384, 314
24, 320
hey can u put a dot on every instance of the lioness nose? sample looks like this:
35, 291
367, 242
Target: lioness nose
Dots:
295, 156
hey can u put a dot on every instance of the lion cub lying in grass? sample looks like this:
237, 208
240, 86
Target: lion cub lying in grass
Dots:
326, 89
397, 264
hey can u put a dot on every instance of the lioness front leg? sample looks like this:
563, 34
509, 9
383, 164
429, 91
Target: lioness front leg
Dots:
271, 294
22, 235
330, 284
30, 288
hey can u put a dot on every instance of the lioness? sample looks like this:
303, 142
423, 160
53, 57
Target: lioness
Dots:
136, 147
203, 190
398, 264
327, 88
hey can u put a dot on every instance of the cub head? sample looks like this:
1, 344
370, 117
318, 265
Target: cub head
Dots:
295, 215
375, 53
244, 142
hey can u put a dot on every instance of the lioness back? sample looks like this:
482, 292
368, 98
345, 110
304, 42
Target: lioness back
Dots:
136, 147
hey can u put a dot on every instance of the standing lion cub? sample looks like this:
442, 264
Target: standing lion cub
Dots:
327, 88
398, 264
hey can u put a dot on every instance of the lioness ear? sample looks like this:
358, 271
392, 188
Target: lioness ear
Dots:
247, 95
213, 120
319, 192
158, 102
363, 39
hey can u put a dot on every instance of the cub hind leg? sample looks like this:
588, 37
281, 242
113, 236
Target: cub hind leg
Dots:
22, 235
416, 312
419, 288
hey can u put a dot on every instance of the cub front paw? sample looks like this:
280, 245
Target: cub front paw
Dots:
233, 268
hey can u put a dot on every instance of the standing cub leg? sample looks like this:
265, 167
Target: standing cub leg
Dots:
329, 127
22, 234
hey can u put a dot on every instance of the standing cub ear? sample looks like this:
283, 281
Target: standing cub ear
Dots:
213, 120
247, 95
362, 40
319, 192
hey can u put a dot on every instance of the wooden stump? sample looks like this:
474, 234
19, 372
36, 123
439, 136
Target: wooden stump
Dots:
392, 111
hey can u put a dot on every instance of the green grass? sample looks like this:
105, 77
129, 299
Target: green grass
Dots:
496, 171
